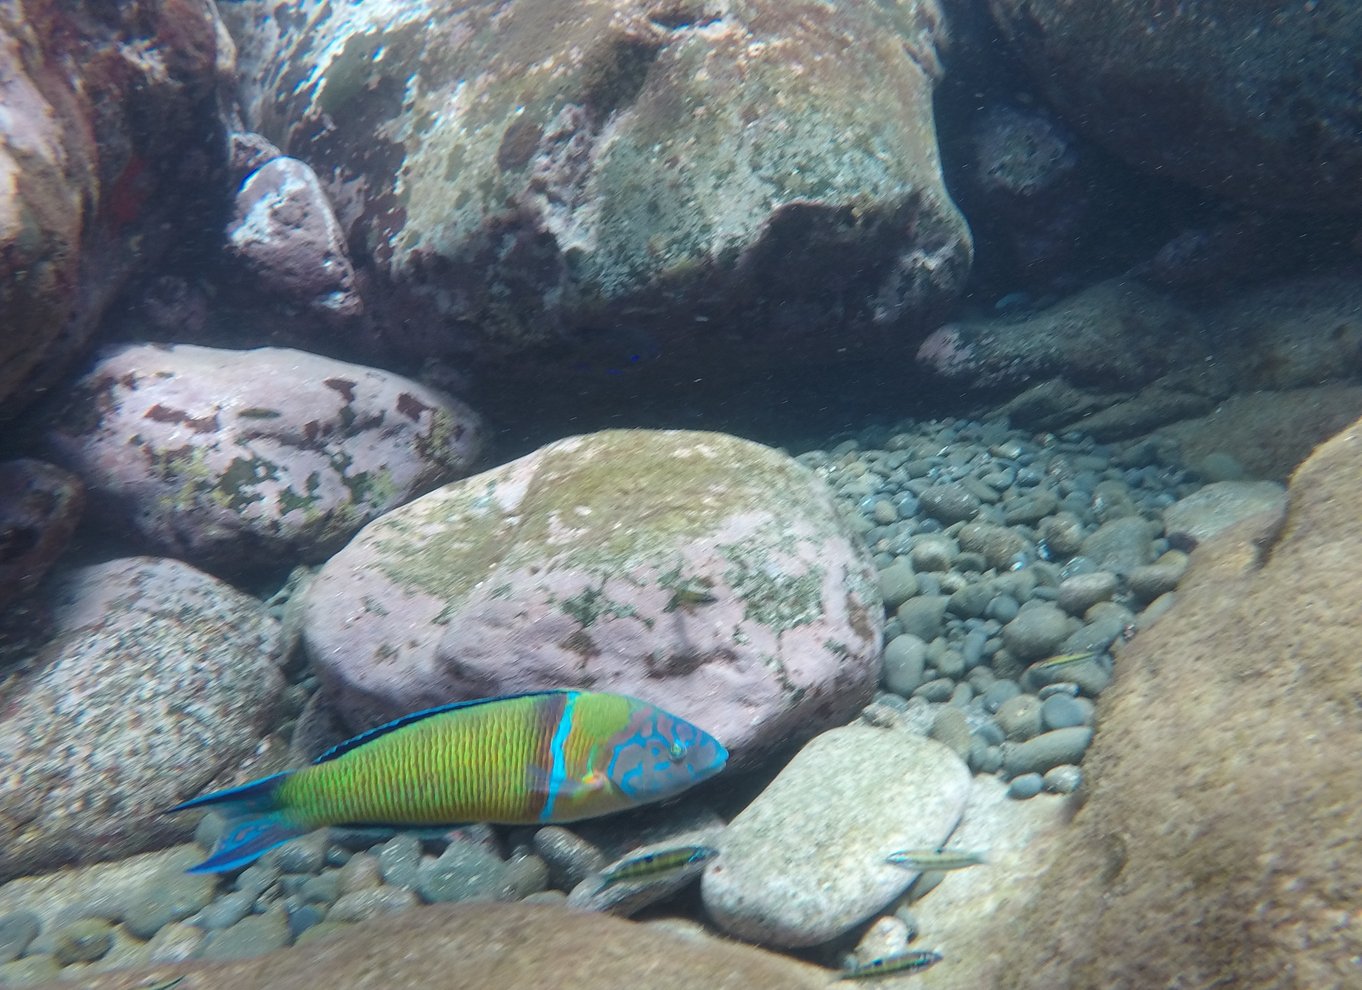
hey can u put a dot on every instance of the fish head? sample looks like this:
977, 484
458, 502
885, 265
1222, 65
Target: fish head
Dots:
660, 754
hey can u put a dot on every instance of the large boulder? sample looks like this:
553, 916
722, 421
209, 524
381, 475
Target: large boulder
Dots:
158, 679
805, 861
707, 574
1253, 100
249, 460
109, 138
1220, 843
597, 179
495, 947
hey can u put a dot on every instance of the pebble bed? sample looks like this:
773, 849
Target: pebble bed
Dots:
996, 549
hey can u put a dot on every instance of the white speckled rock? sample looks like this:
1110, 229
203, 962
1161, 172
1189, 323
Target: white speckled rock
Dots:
157, 679
1220, 505
806, 860
231, 459
706, 574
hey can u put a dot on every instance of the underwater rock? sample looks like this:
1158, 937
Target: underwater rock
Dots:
40, 506
705, 573
285, 234
1251, 100
1220, 505
1115, 333
157, 679
498, 947
110, 136
1218, 843
243, 460
805, 861
557, 178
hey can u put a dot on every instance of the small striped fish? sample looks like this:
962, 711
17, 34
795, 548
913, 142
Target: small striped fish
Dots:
911, 961
1066, 660
552, 756
647, 865
935, 859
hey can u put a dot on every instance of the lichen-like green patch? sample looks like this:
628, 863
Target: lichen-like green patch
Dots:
592, 603
615, 504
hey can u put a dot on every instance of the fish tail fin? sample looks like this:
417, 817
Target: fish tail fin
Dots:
255, 823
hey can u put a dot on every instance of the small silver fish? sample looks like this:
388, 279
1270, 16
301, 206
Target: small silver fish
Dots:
652, 864
911, 961
1066, 660
935, 859
691, 594
165, 985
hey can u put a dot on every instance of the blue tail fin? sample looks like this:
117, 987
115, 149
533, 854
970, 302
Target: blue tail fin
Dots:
255, 825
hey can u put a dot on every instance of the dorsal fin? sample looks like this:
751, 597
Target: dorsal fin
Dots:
354, 742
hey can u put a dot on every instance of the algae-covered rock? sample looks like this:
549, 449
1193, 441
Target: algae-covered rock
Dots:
111, 150
243, 460
707, 574
574, 174
158, 679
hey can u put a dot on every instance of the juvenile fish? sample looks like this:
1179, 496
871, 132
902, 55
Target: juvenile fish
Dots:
541, 758
935, 859
1066, 660
912, 961
653, 864
691, 595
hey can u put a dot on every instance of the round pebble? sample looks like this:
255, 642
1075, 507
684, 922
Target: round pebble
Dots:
1036, 632
399, 860
898, 583
1049, 749
83, 941
949, 503
905, 658
1019, 717
1062, 711
1063, 779
923, 616
361, 905
463, 871
251, 936
1024, 786
1079, 593
17, 930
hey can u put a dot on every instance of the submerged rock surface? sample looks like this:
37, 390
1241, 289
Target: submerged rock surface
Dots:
495, 947
157, 679
701, 572
236, 460
1219, 840
565, 176
1254, 100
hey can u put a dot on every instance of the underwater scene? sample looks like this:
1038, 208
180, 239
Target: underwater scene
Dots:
660, 494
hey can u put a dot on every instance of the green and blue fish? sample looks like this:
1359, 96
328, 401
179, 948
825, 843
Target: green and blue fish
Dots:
551, 756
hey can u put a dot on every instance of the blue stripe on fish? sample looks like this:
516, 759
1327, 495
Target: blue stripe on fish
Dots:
558, 753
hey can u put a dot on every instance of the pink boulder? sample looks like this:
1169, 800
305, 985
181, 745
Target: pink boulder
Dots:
237, 460
707, 574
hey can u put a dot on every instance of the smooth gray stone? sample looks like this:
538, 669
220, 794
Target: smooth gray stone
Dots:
462, 872
898, 583
923, 616
1049, 749
253, 935
1028, 785
1060, 711
17, 930
905, 658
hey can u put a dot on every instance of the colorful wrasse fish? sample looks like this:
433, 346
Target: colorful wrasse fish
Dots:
552, 756
650, 864
912, 961
935, 859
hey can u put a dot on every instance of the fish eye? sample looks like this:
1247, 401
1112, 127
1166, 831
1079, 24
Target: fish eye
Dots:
677, 750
